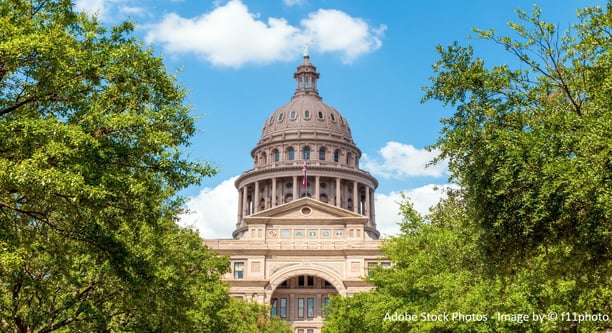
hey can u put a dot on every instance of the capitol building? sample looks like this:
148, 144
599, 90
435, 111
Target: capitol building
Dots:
305, 227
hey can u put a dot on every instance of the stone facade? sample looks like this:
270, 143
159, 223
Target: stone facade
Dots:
306, 220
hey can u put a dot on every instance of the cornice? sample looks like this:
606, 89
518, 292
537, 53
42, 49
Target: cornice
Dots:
312, 170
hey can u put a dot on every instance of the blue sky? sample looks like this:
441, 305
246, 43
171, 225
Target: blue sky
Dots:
237, 59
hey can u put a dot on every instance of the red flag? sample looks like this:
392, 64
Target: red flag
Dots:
304, 174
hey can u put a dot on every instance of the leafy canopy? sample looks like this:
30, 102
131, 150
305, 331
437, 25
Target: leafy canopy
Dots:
529, 230
91, 131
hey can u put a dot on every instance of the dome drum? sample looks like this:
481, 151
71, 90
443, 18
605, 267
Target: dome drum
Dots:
315, 153
345, 188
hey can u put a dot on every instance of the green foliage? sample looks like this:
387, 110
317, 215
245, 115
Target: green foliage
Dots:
251, 317
529, 230
531, 147
91, 130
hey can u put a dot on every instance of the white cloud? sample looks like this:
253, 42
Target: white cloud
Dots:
227, 36
132, 10
213, 212
92, 7
335, 31
231, 36
108, 10
387, 205
291, 3
403, 160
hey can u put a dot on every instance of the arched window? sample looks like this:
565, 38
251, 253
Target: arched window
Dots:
336, 155
290, 154
306, 114
306, 153
276, 155
322, 153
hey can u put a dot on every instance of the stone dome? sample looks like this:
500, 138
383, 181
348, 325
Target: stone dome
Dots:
306, 112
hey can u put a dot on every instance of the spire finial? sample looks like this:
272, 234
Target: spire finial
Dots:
306, 76
307, 46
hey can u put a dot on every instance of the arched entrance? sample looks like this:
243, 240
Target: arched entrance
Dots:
300, 296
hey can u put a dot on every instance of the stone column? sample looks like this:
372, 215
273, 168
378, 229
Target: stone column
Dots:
355, 199
291, 313
367, 201
317, 195
295, 188
274, 192
245, 203
338, 200
319, 305
240, 200
373, 210
256, 198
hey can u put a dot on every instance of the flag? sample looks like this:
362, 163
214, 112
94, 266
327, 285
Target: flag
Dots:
304, 174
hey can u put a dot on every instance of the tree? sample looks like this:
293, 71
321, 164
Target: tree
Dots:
531, 147
91, 130
248, 317
529, 230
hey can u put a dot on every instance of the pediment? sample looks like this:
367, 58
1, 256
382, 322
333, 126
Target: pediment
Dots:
305, 208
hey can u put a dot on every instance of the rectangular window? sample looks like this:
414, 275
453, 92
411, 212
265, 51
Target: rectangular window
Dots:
274, 310
310, 330
300, 308
309, 281
283, 307
371, 267
310, 305
301, 281
239, 270
325, 310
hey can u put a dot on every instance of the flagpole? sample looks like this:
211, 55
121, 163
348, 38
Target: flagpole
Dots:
304, 174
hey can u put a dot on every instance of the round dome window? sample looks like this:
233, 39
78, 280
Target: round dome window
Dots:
306, 211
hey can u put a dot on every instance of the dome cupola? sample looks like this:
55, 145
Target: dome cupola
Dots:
306, 79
